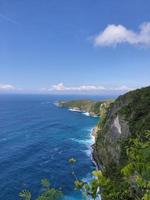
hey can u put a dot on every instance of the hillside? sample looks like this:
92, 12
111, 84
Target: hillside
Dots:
128, 115
92, 107
122, 148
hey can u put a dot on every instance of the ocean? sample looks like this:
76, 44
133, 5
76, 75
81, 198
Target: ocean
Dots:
36, 140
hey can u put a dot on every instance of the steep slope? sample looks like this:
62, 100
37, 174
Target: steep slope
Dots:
128, 116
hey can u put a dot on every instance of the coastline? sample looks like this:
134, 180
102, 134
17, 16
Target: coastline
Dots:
93, 132
84, 112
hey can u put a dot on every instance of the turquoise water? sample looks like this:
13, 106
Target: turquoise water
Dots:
37, 139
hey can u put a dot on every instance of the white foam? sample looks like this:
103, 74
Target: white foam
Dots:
95, 116
74, 109
86, 141
86, 114
56, 104
89, 115
88, 152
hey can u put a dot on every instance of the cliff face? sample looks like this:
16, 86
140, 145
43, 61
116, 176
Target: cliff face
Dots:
92, 107
114, 128
127, 116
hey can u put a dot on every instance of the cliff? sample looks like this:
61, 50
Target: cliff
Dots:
94, 108
122, 147
128, 116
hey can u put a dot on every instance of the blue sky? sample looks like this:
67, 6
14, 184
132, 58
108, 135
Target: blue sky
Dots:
74, 45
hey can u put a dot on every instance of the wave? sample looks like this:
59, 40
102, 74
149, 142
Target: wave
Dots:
88, 152
78, 110
86, 114
74, 110
88, 142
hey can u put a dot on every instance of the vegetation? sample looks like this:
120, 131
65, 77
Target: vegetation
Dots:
133, 182
93, 107
137, 111
47, 193
129, 177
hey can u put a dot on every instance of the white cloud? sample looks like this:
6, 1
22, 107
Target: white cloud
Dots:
117, 34
62, 87
59, 87
6, 87
87, 88
123, 88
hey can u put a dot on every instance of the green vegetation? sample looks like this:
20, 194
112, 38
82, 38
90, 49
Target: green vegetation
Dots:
132, 111
133, 180
47, 193
93, 107
124, 158
77, 103
137, 111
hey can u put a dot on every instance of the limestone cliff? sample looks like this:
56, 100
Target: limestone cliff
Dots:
127, 116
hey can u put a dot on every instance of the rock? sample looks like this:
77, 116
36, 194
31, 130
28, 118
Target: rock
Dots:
129, 114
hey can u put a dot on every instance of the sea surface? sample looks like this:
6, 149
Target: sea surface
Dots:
36, 140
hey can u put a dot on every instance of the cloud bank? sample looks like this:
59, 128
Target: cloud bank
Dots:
113, 35
60, 87
7, 87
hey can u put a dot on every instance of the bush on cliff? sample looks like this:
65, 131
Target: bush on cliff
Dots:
133, 181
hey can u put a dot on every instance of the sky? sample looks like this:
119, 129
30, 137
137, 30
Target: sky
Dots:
74, 46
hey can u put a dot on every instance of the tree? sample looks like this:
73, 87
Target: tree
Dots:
132, 181
47, 193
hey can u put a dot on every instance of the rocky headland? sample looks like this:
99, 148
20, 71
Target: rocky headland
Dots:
126, 117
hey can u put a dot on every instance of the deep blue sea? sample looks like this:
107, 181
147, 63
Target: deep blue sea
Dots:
37, 139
